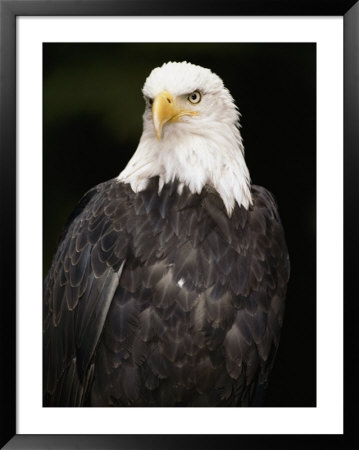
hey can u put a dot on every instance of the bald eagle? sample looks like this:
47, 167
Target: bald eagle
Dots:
168, 284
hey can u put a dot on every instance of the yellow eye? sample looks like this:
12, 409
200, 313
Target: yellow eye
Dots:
195, 97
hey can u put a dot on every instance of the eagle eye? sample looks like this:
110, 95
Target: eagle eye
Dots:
149, 101
195, 97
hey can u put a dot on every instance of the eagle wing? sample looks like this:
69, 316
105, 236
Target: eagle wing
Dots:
158, 298
78, 291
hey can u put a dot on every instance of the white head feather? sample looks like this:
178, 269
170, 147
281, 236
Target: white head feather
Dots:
198, 150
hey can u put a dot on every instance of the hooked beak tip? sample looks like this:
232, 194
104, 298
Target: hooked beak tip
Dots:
158, 130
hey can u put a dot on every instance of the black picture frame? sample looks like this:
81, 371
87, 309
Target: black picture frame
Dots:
9, 10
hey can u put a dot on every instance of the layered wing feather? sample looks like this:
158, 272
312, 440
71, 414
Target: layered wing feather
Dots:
159, 299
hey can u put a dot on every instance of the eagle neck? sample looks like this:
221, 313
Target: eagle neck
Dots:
194, 160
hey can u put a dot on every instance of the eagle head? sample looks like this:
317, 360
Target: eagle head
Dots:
190, 133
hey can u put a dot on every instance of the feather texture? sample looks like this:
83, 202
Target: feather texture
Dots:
158, 298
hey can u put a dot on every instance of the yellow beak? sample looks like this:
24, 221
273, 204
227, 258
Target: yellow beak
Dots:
164, 110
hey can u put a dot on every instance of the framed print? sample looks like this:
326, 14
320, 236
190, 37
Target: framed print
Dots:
71, 115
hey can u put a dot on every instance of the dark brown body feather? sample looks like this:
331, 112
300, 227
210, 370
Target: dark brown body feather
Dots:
162, 300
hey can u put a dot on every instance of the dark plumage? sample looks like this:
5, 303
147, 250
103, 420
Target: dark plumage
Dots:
162, 299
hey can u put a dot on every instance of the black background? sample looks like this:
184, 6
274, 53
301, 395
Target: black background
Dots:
93, 120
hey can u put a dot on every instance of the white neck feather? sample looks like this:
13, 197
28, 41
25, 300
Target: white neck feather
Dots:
211, 158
